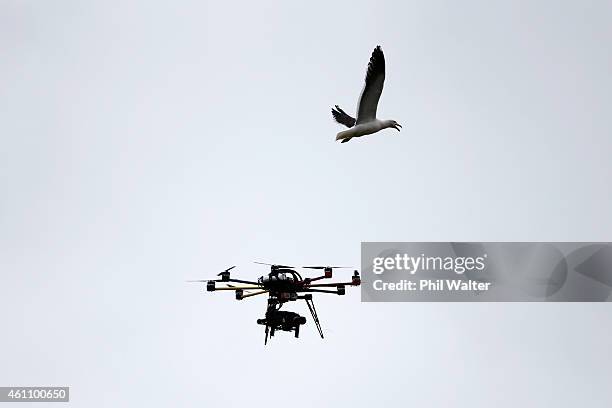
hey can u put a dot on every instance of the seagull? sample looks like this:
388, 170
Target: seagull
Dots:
366, 122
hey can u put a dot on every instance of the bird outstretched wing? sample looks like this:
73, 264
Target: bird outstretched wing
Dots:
342, 117
374, 81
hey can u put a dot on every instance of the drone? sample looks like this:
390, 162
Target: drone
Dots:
283, 284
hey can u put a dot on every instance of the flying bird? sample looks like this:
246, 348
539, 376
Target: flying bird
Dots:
366, 122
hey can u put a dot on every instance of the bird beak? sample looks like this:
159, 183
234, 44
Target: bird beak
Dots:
397, 127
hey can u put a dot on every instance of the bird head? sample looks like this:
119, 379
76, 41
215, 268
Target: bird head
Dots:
393, 124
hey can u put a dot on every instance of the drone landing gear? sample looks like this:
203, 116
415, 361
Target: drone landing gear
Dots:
313, 312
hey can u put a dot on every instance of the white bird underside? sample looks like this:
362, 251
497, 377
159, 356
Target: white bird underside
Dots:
360, 130
366, 122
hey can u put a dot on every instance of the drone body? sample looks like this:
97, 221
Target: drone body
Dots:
283, 284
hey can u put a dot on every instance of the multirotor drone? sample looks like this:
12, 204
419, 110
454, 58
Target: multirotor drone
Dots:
283, 284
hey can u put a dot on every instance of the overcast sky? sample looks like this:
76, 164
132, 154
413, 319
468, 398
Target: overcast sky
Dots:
144, 143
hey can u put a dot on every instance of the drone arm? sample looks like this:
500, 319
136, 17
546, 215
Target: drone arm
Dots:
315, 279
329, 285
242, 281
239, 287
254, 294
321, 291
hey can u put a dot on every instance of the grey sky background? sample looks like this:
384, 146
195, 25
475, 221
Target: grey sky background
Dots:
145, 143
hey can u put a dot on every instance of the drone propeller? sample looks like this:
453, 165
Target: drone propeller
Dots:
211, 280
227, 270
327, 267
273, 265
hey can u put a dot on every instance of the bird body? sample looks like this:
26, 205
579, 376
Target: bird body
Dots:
366, 122
363, 129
